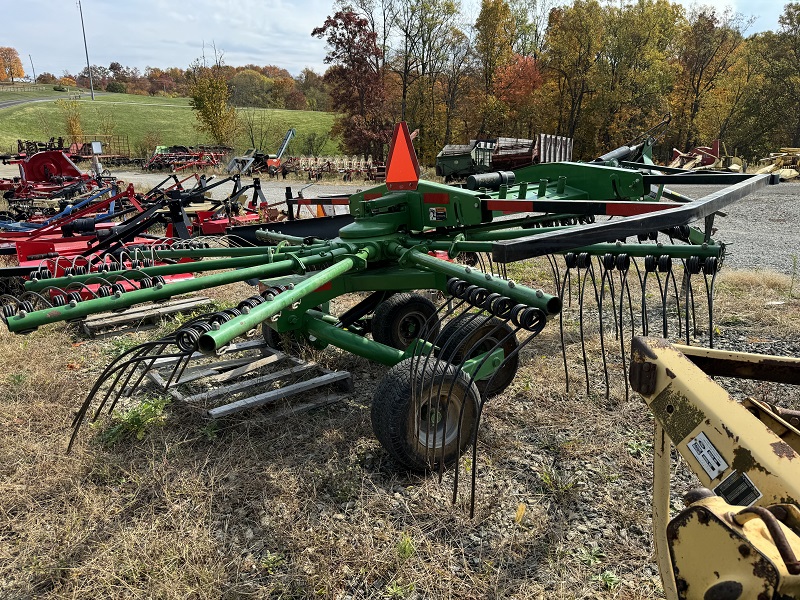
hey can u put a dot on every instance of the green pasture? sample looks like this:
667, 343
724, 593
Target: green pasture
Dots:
167, 121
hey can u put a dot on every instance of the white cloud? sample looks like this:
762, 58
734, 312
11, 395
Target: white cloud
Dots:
166, 33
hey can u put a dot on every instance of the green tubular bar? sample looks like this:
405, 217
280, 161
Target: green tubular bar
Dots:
352, 342
214, 340
194, 267
551, 305
29, 321
265, 235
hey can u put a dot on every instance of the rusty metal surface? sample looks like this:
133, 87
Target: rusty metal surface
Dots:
722, 363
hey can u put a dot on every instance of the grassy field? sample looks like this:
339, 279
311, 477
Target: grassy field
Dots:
167, 120
158, 502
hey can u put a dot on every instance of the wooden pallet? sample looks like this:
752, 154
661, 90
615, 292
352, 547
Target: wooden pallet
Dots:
138, 318
238, 382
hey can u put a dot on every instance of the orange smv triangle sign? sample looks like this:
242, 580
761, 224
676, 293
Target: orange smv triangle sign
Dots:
402, 167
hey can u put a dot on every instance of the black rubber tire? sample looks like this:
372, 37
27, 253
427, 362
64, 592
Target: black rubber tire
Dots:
401, 318
278, 341
397, 420
462, 333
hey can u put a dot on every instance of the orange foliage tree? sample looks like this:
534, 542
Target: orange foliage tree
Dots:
10, 64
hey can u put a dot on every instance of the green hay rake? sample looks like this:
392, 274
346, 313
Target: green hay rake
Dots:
409, 235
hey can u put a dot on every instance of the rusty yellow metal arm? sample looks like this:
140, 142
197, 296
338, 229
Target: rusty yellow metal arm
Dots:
729, 448
739, 536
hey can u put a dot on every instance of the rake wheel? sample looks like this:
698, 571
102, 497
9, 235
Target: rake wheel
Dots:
402, 318
468, 336
425, 413
290, 341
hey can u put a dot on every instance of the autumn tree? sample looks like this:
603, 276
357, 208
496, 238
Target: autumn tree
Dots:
455, 82
46, 78
10, 64
516, 84
250, 88
706, 52
777, 85
210, 99
495, 34
635, 73
573, 41
530, 19
355, 82
312, 85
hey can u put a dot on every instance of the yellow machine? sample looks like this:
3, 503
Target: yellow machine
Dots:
739, 535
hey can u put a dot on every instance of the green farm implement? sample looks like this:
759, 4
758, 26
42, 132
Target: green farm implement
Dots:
612, 232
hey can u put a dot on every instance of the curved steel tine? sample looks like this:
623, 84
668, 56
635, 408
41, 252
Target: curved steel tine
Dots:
116, 365
671, 273
556, 274
710, 297
124, 388
582, 289
467, 355
443, 364
442, 312
623, 286
607, 274
694, 311
561, 329
539, 326
642, 300
662, 295
599, 302
687, 289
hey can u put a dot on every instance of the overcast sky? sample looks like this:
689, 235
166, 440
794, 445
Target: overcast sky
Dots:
170, 33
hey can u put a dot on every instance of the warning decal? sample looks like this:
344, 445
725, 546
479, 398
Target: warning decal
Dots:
708, 457
738, 489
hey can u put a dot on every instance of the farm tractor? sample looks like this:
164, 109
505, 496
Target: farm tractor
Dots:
615, 235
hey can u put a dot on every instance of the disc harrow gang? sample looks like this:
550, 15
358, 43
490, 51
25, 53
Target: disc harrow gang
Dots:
444, 362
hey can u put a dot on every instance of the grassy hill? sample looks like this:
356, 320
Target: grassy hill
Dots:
143, 118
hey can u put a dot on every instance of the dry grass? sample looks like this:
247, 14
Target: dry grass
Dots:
313, 508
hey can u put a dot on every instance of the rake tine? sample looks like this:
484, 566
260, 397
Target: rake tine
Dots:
582, 289
535, 328
711, 267
623, 264
177, 372
456, 350
607, 272
80, 415
124, 388
416, 398
474, 347
599, 302
453, 286
686, 287
561, 330
556, 275
671, 274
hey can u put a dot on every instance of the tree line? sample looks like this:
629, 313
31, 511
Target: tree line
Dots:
600, 73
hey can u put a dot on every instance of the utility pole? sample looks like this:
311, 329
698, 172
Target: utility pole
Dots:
32, 69
86, 48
